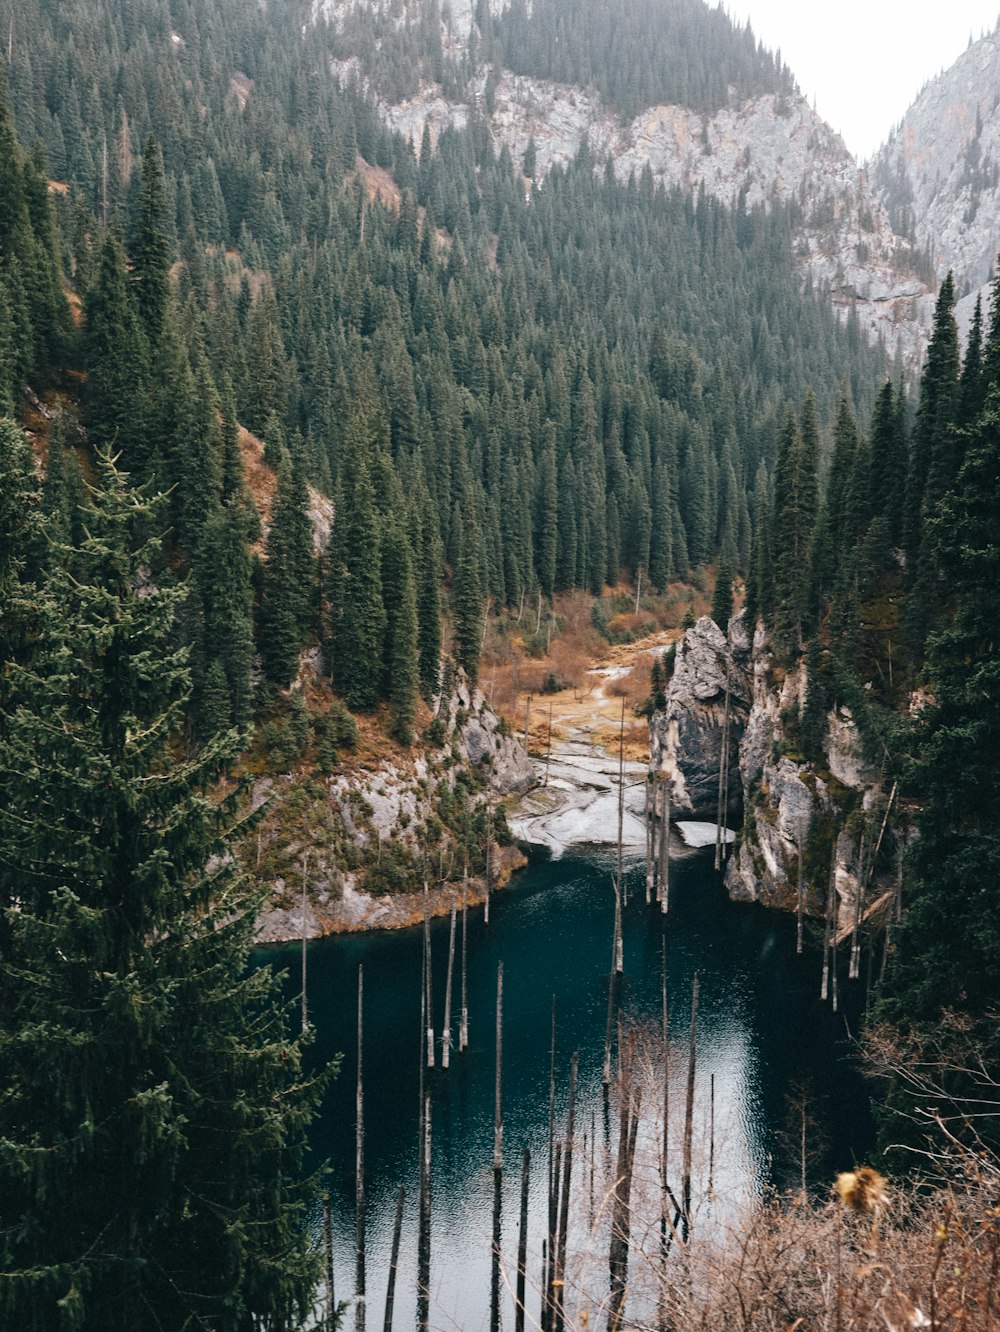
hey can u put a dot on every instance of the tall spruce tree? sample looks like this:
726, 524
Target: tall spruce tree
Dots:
150, 247
358, 631
286, 593
946, 957
722, 597
116, 356
153, 1108
467, 600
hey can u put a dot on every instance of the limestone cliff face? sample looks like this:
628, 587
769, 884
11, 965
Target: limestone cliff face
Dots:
687, 737
366, 832
939, 173
794, 808
768, 148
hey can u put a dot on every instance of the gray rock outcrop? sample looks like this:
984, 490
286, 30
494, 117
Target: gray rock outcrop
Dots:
687, 737
794, 808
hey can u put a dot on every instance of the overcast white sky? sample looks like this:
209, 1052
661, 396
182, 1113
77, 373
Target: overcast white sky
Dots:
864, 61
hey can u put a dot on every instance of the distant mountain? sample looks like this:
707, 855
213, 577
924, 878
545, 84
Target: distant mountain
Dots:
939, 173
747, 141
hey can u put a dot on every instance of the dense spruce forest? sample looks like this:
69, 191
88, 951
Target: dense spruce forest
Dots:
501, 389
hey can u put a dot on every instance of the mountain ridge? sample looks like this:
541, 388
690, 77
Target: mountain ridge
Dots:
750, 152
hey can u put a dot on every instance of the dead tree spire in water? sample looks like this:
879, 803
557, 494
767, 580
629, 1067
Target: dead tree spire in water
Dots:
446, 1032
560, 1264
497, 1162
305, 1001
689, 1113
397, 1230
664, 881
622, 1191
428, 987
489, 859
522, 1244
723, 754
463, 1026
359, 1167
621, 889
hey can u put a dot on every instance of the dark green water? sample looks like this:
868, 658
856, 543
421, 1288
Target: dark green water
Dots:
761, 1033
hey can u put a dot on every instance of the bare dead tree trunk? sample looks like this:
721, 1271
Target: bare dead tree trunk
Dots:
331, 1304
446, 1032
854, 965
359, 1172
549, 1247
548, 746
720, 808
428, 999
665, 1142
620, 1222
725, 776
609, 1025
522, 1243
497, 1162
711, 1134
665, 850
622, 890
424, 1237
648, 817
489, 860
799, 905
397, 1230
305, 989
564, 1204
463, 1028
689, 1114
828, 926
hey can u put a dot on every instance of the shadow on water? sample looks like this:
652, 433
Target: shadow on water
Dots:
762, 1032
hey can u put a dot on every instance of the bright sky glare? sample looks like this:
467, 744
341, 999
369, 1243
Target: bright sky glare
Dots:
864, 61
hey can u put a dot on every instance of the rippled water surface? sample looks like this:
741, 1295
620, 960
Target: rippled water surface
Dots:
761, 1034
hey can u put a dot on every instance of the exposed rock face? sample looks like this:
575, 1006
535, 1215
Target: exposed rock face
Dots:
382, 810
792, 809
687, 738
939, 173
769, 148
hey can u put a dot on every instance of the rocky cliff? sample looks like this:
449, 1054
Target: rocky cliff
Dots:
828, 813
688, 737
939, 173
368, 837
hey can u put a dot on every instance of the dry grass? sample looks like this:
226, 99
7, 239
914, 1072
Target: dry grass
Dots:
863, 1254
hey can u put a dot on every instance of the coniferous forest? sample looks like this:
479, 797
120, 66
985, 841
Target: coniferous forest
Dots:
465, 389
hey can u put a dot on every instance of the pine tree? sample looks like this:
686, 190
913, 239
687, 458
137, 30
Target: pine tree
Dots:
286, 594
116, 359
150, 248
888, 459
467, 601
722, 598
401, 653
427, 551
947, 950
224, 577
153, 1110
931, 463
358, 635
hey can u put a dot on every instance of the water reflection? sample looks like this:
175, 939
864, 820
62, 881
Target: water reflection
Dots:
760, 1031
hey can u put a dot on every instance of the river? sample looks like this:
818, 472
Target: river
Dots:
763, 1041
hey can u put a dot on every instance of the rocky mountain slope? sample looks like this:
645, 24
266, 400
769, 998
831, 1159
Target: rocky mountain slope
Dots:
939, 173
769, 147
829, 815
